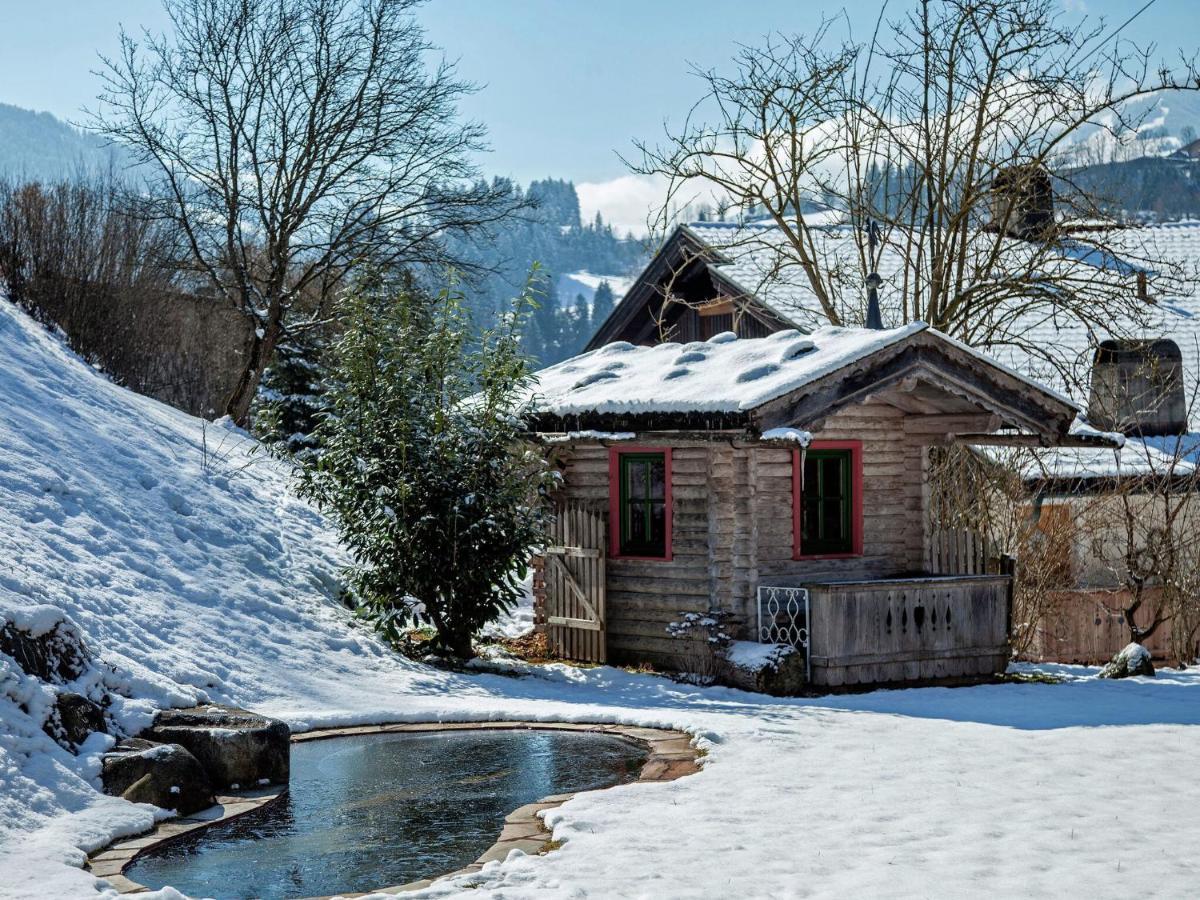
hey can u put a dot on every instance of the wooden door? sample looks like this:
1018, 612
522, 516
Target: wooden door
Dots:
575, 582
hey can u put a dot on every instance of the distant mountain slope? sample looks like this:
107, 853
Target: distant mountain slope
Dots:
1151, 188
38, 146
574, 257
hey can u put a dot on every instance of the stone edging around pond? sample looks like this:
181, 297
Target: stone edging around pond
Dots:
671, 755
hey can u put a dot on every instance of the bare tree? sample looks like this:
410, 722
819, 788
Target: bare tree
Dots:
1142, 531
924, 134
291, 140
984, 493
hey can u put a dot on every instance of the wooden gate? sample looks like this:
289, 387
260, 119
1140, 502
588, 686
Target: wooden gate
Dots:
575, 582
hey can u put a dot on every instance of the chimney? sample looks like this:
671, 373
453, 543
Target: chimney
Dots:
1023, 202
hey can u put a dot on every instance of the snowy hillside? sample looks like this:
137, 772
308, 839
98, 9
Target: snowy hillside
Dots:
191, 573
162, 541
574, 284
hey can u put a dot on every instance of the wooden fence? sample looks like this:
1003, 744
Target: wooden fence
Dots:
908, 629
573, 589
959, 551
1088, 627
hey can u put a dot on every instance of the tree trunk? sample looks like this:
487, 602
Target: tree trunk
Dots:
262, 348
1137, 634
456, 643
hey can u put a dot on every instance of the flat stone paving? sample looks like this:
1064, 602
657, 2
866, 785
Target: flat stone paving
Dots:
671, 755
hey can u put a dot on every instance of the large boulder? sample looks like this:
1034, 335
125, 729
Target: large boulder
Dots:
1134, 659
165, 775
74, 718
49, 651
776, 669
236, 747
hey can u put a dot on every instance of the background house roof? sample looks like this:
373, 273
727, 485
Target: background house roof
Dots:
1055, 349
757, 259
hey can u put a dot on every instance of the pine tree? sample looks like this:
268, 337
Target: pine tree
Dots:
602, 305
423, 465
545, 332
291, 395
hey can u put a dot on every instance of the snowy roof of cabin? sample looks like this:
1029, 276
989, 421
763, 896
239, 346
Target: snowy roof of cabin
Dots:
724, 374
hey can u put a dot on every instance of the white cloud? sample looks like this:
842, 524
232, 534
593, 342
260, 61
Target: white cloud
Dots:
633, 203
1075, 6
627, 202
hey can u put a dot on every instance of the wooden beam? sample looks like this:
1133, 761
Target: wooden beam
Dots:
1030, 440
960, 374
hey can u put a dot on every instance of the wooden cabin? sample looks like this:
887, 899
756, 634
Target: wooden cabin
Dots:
776, 486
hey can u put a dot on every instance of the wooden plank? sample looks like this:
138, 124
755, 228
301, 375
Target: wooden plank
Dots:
574, 552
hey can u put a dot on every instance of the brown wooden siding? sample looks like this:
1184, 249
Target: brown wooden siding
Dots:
732, 510
688, 327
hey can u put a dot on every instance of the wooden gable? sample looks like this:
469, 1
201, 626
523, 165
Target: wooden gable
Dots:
708, 303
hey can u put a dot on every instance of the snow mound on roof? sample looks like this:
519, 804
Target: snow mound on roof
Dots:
724, 374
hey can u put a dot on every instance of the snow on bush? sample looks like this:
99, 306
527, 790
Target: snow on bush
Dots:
754, 657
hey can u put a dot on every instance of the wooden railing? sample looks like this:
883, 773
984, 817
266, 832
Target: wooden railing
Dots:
908, 629
959, 551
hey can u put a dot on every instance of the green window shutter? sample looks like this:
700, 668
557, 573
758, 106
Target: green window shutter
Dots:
643, 494
826, 503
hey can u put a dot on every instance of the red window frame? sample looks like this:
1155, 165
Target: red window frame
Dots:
614, 502
856, 500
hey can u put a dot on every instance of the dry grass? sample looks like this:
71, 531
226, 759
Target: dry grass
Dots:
531, 647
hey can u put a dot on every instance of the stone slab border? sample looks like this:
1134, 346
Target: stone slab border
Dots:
670, 755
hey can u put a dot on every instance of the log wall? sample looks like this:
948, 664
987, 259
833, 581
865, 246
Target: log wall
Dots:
732, 512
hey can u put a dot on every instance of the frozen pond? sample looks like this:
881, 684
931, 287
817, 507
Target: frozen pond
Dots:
376, 810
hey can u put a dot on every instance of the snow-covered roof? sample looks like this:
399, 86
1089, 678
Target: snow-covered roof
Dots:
1055, 349
1160, 456
724, 374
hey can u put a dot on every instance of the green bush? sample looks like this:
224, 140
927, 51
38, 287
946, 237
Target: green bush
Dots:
424, 464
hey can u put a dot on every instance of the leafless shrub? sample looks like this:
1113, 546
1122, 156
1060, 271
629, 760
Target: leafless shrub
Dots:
985, 494
701, 637
82, 256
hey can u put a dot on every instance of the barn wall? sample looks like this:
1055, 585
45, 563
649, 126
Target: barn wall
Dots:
732, 529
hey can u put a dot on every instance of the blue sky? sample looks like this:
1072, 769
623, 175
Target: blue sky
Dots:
565, 84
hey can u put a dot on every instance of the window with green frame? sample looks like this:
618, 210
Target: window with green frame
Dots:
643, 504
827, 503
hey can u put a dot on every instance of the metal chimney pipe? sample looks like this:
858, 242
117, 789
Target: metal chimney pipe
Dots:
874, 317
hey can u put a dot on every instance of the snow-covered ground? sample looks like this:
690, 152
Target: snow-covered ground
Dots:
193, 574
